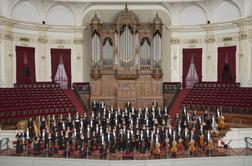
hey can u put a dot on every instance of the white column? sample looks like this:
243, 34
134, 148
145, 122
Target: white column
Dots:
209, 71
176, 58
41, 56
77, 66
9, 54
243, 55
1, 64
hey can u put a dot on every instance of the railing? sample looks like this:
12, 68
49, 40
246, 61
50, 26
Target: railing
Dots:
165, 152
6, 143
171, 87
107, 67
248, 142
82, 88
145, 67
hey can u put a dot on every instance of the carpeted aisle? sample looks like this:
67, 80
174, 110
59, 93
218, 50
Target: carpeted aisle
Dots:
177, 104
73, 98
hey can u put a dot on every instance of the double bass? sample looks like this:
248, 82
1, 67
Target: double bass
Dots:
192, 147
202, 141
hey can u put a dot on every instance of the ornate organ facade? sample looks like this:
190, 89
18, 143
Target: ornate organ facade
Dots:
126, 60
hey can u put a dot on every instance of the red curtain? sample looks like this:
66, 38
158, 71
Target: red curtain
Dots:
226, 54
25, 65
197, 57
66, 57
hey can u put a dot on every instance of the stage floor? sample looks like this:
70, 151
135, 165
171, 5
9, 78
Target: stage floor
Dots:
217, 152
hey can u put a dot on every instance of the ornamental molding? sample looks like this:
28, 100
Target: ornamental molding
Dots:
78, 41
60, 41
8, 36
24, 39
243, 35
42, 40
210, 40
192, 41
175, 41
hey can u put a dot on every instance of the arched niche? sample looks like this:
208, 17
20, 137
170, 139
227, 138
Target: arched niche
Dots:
250, 10
60, 15
108, 15
232, 12
25, 11
192, 15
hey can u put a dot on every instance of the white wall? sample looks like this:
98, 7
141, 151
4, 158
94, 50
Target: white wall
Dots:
1, 7
192, 15
25, 11
187, 15
60, 15
226, 11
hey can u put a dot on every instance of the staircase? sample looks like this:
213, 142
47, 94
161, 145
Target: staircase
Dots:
73, 98
177, 104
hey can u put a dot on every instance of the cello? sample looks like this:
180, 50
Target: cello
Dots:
192, 148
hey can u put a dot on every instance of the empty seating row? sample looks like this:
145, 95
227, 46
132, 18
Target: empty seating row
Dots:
228, 97
19, 103
37, 85
216, 85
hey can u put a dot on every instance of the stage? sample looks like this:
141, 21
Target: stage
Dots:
204, 161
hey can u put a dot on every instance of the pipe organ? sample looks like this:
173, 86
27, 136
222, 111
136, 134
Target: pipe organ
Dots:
126, 60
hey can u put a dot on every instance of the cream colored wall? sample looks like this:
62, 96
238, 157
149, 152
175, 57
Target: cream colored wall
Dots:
209, 38
175, 36
166, 54
42, 38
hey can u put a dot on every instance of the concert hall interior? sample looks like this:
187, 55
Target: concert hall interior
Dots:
113, 82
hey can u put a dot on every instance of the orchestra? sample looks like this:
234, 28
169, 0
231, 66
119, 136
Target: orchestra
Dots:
109, 130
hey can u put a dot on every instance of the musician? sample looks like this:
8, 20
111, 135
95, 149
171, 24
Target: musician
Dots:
28, 136
67, 150
36, 145
19, 145
42, 124
30, 126
112, 130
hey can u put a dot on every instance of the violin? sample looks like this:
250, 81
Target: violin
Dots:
156, 149
174, 147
